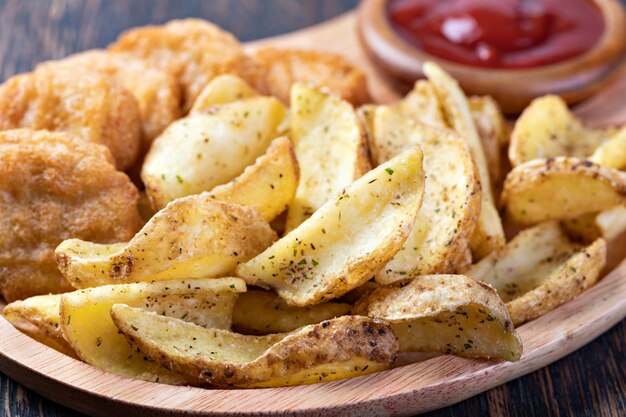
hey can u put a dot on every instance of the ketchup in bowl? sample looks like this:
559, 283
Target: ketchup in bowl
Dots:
505, 34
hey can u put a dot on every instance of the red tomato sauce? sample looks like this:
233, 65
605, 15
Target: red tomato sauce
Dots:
499, 33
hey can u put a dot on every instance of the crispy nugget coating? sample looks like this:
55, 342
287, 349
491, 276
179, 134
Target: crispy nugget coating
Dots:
320, 69
157, 92
192, 50
92, 106
55, 186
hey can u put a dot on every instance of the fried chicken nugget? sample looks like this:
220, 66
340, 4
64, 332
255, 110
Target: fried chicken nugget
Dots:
192, 50
321, 69
55, 186
92, 106
157, 92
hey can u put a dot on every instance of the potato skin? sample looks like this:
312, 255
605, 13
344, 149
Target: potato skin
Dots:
275, 357
560, 188
55, 186
194, 51
288, 66
89, 105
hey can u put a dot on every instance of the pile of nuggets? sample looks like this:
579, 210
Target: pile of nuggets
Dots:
176, 209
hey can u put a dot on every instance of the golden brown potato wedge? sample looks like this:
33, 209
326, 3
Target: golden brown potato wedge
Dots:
547, 129
445, 313
584, 228
223, 89
340, 348
286, 67
612, 153
269, 185
439, 241
488, 234
86, 321
193, 237
330, 147
205, 150
262, 312
539, 270
494, 135
348, 240
41, 311
560, 188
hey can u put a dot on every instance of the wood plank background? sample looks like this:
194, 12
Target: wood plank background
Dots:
590, 382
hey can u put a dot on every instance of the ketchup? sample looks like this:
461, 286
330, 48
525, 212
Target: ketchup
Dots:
499, 33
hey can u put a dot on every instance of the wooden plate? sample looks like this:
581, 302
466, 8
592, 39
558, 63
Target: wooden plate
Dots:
410, 389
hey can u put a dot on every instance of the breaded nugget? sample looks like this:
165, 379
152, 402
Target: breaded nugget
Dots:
192, 50
56, 186
92, 106
157, 92
320, 69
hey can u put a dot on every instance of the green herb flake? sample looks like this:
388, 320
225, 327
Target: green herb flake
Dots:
389, 171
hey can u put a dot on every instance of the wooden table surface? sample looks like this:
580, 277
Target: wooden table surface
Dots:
589, 382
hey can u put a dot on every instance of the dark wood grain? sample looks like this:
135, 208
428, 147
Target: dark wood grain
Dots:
590, 382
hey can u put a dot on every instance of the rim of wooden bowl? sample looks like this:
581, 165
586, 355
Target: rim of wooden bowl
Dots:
575, 79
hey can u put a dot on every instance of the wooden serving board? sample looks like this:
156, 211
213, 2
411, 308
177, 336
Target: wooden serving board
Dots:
417, 387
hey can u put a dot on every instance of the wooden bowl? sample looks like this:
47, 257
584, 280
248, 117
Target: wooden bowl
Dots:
574, 79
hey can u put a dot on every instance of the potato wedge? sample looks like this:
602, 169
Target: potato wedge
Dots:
205, 150
612, 153
422, 105
488, 234
612, 222
493, 133
439, 241
86, 321
222, 89
584, 228
340, 348
539, 270
348, 240
330, 147
42, 312
445, 313
269, 185
560, 188
547, 129
193, 237
262, 312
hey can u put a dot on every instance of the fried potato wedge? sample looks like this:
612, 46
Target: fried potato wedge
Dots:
547, 129
330, 147
193, 237
539, 270
493, 133
445, 313
91, 106
348, 240
285, 67
340, 348
204, 150
42, 312
192, 50
583, 228
439, 241
612, 222
223, 89
262, 312
55, 186
269, 185
560, 188
488, 234
87, 325
157, 93
612, 153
